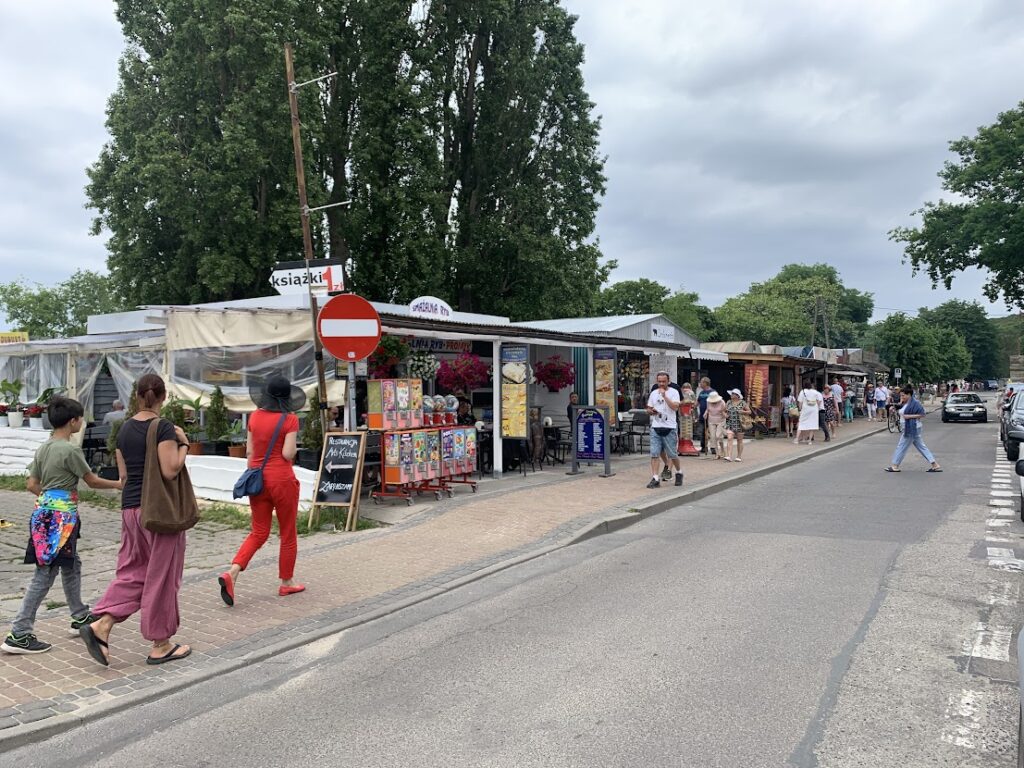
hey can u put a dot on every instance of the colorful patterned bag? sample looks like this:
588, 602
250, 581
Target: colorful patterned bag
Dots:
52, 523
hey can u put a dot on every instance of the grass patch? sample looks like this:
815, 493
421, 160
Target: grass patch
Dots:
236, 516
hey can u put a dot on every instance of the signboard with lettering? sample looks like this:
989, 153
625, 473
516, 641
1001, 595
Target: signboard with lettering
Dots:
13, 337
515, 374
430, 306
340, 471
590, 428
323, 275
590, 438
605, 378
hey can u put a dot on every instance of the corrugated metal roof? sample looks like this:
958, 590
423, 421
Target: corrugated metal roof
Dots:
589, 324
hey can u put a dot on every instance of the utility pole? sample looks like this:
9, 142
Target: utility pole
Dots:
307, 236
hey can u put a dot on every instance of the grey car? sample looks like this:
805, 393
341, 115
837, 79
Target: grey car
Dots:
1012, 427
964, 406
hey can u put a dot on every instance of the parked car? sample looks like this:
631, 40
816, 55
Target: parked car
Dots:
964, 406
991, 385
1012, 427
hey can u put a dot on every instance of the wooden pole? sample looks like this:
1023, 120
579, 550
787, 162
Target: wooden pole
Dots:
307, 246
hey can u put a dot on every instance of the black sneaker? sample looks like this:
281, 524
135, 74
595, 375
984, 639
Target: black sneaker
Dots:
23, 644
666, 474
77, 624
654, 483
679, 478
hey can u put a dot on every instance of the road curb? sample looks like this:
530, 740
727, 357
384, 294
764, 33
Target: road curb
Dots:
19, 736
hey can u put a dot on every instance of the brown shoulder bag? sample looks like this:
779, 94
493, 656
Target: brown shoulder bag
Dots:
168, 506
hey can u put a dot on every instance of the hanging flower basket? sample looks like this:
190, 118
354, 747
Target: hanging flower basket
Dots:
389, 353
423, 365
555, 373
463, 374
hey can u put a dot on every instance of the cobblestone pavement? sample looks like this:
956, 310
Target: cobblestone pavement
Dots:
348, 576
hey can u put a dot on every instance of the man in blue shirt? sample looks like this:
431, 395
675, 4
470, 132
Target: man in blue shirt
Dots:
912, 412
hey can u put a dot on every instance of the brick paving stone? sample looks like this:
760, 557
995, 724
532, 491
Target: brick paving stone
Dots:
347, 575
34, 716
8, 722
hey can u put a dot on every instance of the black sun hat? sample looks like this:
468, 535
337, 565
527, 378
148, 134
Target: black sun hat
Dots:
277, 394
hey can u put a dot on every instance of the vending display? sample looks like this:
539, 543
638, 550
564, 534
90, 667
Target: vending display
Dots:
434, 452
421, 460
392, 458
471, 449
448, 452
394, 404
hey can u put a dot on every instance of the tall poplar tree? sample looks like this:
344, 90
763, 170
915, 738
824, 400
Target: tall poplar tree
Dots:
461, 132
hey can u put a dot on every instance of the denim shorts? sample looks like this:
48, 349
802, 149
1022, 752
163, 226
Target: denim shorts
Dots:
669, 443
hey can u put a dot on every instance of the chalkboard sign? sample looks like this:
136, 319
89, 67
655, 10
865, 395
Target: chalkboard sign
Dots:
341, 468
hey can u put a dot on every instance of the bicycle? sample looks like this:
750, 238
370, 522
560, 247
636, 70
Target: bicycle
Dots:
895, 423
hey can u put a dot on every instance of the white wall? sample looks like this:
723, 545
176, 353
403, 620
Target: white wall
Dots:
213, 478
18, 446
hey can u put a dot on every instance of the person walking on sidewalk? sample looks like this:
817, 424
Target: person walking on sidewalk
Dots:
809, 401
273, 430
149, 565
662, 405
737, 412
55, 526
714, 424
703, 393
790, 412
912, 412
869, 400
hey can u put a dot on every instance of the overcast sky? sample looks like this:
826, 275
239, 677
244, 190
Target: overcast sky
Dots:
740, 136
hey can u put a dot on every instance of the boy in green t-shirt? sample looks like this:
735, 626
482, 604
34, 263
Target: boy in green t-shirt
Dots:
53, 476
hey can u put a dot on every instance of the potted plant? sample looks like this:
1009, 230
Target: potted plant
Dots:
391, 350
555, 373
216, 424
34, 413
10, 392
3, 415
235, 436
43, 401
175, 411
312, 436
463, 374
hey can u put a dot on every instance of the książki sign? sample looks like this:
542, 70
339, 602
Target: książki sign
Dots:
322, 276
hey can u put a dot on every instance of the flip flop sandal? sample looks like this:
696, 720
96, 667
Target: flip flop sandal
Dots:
935, 469
94, 645
169, 656
227, 588
894, 471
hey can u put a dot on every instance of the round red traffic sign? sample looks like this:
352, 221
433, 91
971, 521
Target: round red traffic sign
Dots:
348, 327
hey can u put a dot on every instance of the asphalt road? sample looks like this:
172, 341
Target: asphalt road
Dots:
822, 615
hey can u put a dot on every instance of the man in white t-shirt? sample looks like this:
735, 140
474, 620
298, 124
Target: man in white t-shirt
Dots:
662, 406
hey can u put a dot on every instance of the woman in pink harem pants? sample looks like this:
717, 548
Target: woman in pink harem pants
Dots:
149, 565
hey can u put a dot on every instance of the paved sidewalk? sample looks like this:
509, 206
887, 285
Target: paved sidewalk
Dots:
350, 578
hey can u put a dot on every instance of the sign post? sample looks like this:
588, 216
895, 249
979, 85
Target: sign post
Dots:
590, 438
898, 373
349, 328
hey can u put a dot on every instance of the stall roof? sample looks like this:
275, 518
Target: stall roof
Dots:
99, 342
598, 325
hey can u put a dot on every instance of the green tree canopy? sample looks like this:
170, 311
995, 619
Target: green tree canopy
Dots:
968, 319
461, 132
782, 310
984, 227
632, 297
926, 353
57, 311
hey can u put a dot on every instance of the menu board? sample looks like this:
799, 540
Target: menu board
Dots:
515, 368
341, 467
604, 382
758, 394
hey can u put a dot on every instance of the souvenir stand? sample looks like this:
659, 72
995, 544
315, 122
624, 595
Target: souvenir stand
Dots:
423, 449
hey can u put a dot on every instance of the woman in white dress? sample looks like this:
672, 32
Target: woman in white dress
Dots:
809, 401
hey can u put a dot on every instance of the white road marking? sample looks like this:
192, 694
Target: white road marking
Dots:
1001, 503
999, 552
1003, 593
994, 523
1001, 493
963, 718
991, 643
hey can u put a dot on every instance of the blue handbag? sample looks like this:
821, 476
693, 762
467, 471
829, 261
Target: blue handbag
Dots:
251, 481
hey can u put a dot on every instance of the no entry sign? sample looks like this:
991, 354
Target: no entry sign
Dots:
348, 327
